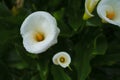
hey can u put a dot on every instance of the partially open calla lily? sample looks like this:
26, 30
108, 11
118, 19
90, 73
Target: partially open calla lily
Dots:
39, 31
109, 11
62, 58
89, 7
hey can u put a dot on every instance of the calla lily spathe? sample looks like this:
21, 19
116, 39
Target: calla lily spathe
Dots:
62, 58
39, 31
89, 7
109, 11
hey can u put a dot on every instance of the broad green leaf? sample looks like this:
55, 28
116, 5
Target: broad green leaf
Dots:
65, 30
43, 61
59, 73
43, 68
95, 22
24, 55
84, 51
54, 4
82, 61
4, 11
19, 65
14, 60
35, 77
100, 45
117, 32
112, 55
7, 35
73, 12
105, 73
108, 59
59, 14
4, 71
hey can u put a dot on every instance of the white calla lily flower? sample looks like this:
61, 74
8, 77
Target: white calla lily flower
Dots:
89, 7
39, 31
109, 11
62, 58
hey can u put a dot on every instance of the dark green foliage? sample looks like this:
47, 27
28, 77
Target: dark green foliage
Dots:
94, 47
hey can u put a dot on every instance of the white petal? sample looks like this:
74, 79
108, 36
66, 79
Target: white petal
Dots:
65, 55
106, 5
89, 7
41, 22
54, 59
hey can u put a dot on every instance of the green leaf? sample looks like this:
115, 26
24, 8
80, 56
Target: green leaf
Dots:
117, 32
42, 64
43, 69
112, 55
36, 77
4, 11
73, 12
108, 59
59, 74
82, 61
84, 50
14, 60
19, 65
95, 22
100, 45
31, 62
65, 30
54, 4
59, 14
7, 35
4, 71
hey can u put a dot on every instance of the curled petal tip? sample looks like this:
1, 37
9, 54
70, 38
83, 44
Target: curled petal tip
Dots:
89, 8
87, 16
